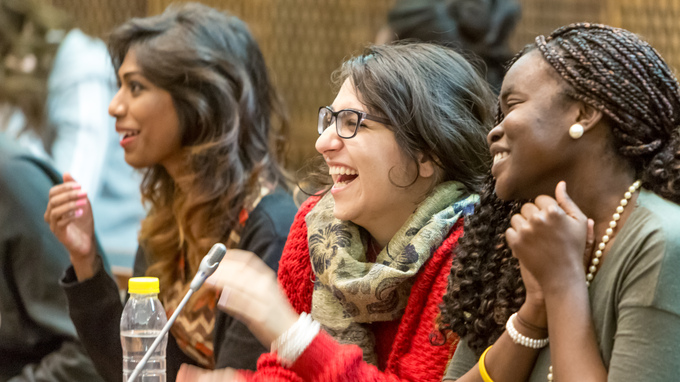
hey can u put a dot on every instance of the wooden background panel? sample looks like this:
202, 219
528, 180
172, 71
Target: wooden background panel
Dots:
304, 41
98, 17
656, 21
540, 17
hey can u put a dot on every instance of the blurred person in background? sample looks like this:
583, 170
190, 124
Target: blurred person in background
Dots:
55, 87
202, 121
478, 29
38, 341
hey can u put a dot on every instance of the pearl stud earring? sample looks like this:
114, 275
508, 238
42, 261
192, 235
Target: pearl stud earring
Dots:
576, 131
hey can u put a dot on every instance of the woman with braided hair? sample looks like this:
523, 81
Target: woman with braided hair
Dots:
568, 270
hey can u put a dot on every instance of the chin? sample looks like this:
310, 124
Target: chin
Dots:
339, 213
507, 193
501, 190
136, 164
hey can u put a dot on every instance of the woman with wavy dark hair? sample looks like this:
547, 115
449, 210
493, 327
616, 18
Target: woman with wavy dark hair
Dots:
197, 113
366, 263
568, 270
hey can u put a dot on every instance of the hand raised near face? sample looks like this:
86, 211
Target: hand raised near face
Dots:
69, 215
549, 237
251, 294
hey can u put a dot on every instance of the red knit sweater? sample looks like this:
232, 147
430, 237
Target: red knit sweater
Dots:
412, 357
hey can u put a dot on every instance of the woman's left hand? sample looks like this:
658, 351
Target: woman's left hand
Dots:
251, 294
549, 239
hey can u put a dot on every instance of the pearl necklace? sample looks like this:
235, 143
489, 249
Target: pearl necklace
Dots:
603, 243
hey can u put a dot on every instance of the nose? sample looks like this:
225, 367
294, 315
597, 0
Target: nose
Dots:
495, 134
117, 106
329, 140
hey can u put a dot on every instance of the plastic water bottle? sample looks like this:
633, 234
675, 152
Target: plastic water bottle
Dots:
142, 321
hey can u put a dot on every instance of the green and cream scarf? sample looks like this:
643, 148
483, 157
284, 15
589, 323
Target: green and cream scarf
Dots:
350, 291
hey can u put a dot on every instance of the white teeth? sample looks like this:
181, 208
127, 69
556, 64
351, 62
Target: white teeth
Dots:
340, 170
128, 133
499, 156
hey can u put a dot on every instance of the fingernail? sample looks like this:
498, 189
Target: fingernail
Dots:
81, 202
75, 186
81, 194
79, 212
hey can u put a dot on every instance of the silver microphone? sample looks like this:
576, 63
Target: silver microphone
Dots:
205, 269
208, 265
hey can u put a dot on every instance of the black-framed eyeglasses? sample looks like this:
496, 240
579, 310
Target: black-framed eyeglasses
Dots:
347, 121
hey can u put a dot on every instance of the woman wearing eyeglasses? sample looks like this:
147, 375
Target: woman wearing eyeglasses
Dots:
366, 263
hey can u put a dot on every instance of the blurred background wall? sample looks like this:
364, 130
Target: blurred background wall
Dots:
305, 40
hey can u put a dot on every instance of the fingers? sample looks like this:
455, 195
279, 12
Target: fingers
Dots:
243, 306
63, 194
528, 210
67, 205
67, 177
518, 226
241, 269
565, 202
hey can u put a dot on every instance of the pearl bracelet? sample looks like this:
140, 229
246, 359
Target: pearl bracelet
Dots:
521, 339
293, 342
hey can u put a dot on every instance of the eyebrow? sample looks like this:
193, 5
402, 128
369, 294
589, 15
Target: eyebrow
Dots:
130, 73
349, 108
506, 93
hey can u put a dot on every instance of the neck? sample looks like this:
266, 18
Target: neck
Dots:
383, 228
598, 190
175, 166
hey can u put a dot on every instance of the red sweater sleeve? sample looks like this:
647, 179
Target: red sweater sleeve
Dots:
295, 268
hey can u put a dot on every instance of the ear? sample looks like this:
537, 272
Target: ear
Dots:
426, 167
588, 116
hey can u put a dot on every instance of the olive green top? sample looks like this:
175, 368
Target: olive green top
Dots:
635, 300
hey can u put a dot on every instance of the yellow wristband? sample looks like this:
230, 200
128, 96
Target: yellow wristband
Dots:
482, 367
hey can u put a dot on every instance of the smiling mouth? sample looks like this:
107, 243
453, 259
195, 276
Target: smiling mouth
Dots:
342, 176
500, 156
128, 134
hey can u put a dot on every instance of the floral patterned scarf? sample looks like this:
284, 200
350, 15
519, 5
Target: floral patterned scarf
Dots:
350, 291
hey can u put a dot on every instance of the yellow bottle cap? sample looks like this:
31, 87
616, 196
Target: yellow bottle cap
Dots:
143, 285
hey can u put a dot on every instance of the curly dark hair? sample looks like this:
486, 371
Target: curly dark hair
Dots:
616, 72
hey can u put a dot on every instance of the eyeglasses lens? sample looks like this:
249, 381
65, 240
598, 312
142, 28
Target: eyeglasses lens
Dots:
347, 123
325, 117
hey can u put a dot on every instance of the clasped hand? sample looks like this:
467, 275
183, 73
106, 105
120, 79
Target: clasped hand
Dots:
552, 239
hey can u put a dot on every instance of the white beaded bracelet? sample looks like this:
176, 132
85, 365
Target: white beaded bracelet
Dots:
293, 342
521, 339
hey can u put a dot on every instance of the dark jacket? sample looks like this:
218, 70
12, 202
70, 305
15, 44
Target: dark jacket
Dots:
37, 339
96, 308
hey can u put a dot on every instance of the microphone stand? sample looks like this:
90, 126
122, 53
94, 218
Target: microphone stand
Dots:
164, 331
